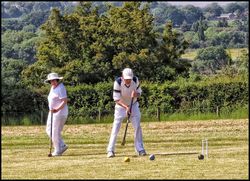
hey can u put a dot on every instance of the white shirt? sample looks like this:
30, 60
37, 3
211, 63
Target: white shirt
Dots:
55, 99
123, 92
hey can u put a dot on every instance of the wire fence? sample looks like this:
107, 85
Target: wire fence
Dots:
39, 117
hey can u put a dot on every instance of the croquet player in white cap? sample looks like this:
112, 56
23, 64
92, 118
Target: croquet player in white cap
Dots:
125, 88
57, 100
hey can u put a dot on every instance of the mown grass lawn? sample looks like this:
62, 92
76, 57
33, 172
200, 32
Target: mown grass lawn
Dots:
176, 145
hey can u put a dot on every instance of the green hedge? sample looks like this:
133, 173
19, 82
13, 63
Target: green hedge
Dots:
88, 101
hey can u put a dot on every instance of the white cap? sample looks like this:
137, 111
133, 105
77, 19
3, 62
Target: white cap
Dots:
52, 76
127, 73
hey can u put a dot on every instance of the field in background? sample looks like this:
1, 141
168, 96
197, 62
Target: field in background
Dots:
176, 145
234, 52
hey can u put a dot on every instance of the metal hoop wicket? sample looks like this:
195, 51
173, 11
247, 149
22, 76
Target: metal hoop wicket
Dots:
204, 143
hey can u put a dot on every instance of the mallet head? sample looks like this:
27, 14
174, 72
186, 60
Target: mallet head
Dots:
49, 155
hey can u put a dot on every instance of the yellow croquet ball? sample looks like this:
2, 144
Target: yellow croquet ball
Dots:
126, 159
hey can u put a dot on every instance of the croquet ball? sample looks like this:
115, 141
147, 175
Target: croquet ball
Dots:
152, 157
201, 157
126, 159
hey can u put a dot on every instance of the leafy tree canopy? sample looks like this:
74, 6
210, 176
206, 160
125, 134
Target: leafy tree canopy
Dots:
88, 47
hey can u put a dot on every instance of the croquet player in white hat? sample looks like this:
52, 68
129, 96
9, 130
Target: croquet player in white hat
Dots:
125, 88
57, 100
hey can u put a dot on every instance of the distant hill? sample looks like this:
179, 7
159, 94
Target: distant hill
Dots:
199, 4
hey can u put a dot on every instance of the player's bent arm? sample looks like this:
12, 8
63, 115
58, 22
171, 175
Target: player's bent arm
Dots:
64, 102
122, 104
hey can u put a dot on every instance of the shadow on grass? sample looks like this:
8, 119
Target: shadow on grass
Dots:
176, 153
127, 155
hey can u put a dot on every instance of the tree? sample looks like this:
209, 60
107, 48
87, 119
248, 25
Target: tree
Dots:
60, 45
222, 23
239, 25
232, 7
14, 12
195, 26
12, 88
211, 59
202, 26
239, 66
192, 13
166, 12
244, 62
176, 16
19, 45
11, 70
185, 27
36, 18
87, 47
168, 53
212, 11
132, 36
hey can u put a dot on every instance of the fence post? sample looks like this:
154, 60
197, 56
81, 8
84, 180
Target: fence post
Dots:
217, 111
42, 115
158, 113
99, 114
4, 118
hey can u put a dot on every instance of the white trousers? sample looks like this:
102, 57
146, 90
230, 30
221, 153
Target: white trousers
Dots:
57, 127
135, 117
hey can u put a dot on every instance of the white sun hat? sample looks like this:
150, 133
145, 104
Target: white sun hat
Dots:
52, 76
127, 73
